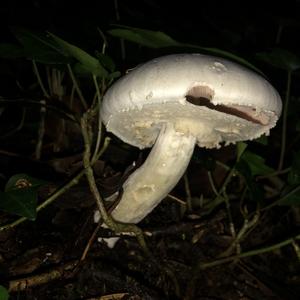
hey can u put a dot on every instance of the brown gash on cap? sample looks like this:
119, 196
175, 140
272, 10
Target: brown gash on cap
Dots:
175, 102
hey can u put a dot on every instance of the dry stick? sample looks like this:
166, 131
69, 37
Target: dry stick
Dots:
212, 184
22, 284
41, 130
56, 194
284, 120
37, 74
188, 192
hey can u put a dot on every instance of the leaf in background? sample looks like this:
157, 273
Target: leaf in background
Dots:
20, 196
280, 58
158, 39
89, 62
147, 38
263, 140
3, 293
40, 47
241, 147
256, 164
11, 51
106, 61
21, 202
20, 181
255, 190
291, 198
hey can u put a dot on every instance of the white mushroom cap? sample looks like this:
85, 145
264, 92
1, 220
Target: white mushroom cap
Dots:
178, 101
241, 104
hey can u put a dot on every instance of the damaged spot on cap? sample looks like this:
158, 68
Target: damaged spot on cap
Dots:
202, 96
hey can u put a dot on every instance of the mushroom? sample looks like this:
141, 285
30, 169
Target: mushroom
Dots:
175, 102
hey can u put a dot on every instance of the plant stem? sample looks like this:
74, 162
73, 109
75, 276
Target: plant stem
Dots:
37, 74
203, 266
284, 121
83, 102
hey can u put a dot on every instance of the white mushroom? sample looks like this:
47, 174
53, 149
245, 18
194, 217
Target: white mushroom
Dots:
177, 101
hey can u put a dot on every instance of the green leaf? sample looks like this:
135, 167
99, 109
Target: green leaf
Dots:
292, 200
241, 147
20, 196
256, 164
158, 39
21, 202
106, 61
147, 38
20, 181
40, 47
289, 197
3, 293
255, 190
280, 58
11, 51
263, 140
88, 62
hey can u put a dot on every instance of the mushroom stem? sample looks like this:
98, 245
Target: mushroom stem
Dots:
161, 171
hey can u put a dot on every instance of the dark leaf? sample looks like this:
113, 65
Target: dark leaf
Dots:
40, 47
21, 181
256, 164
280, 58
88, 62
158, 39
3, 293
21, 202
11, 51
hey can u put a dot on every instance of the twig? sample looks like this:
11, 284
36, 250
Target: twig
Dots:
83, 102
246, 226
212, 184
188, 192
203, 266
41, 131
99, 132
284, 120
37, 74
181, 202
22, 284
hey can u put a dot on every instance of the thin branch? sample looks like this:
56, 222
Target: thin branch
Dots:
203, 266
22, 284
37, 74
284, 121
41, 130
83, 102
212, 184
99, 131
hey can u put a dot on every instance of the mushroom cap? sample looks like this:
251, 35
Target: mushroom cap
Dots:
212, 98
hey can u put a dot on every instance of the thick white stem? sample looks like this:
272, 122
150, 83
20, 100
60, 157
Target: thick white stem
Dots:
161, 171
